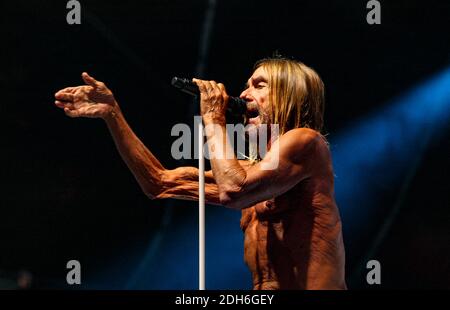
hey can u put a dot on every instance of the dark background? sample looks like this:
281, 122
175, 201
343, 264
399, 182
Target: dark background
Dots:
66, 194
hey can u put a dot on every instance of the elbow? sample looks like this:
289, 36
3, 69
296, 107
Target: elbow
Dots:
224, 199
155, 189
230, 198
151, 194
155, 192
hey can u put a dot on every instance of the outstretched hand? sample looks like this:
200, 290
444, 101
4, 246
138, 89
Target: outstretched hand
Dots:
93, 100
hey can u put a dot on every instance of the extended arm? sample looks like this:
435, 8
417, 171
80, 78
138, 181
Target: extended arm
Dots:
154, 179
95, 100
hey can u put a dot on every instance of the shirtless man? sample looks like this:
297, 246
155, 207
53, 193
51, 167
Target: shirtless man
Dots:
292, 227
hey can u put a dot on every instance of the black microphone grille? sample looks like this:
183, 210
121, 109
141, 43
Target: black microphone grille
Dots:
185, 85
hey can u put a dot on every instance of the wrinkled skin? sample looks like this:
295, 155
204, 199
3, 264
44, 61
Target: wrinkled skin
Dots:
292, 241
295, 241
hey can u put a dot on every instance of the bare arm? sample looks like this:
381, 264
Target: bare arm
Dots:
289, 161
154, 179
145, 167
95, 100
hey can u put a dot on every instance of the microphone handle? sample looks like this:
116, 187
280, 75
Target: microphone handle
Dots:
236, 106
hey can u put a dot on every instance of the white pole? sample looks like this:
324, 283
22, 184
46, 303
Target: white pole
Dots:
201, 209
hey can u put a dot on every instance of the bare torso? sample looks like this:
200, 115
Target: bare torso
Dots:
295, 240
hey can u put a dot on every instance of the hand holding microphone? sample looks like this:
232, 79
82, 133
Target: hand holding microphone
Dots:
237, 107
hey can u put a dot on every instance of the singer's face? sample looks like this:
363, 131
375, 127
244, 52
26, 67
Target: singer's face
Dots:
256, 94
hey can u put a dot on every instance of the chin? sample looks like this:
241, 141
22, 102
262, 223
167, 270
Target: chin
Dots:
252, 126
254, 121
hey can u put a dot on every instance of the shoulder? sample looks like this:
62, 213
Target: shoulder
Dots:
302, 140
304, 135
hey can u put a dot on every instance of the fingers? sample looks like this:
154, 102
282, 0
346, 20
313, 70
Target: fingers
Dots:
68, 90
64, 99
60, 104
210, 87
64, 105
71, 113
89, 80
215, 89
89, 111
62, 96
201, 85
221, 87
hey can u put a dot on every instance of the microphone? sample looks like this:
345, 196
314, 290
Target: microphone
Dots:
237, 107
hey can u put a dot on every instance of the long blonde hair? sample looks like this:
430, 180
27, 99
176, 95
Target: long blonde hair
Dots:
296, 92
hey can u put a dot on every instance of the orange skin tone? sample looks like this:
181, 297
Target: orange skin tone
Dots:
293, 235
